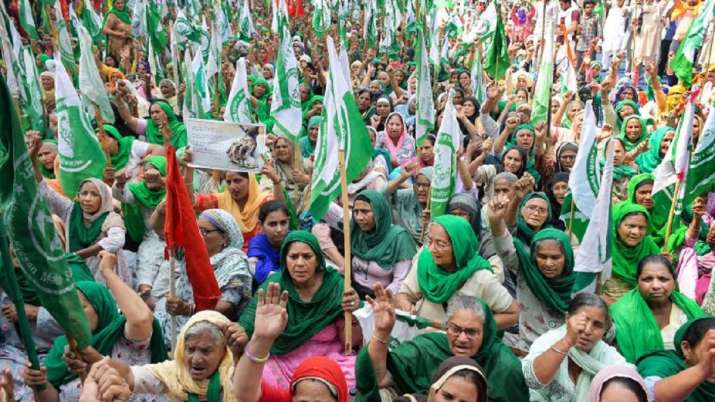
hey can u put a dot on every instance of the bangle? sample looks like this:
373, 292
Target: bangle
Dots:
253, 358
561, 352
382, 341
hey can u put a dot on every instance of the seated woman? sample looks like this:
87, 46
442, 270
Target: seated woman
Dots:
471, 332
632, 244
647, 317
457, 378
381, 251
543, 270
129, 333
618, 383
264, 252
316, 305
449, 266
409, 204
126, 152
316, 378
562, 362
292, 172
224, 245
395, 139
688, 372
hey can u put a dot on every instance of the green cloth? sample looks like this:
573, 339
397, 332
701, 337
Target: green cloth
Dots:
307, 105
79, 268
637, 331
177, 128
388, 243
650, 159
213, 393
668, 363
110, 329
124, 147
654, 226
145, 198
305, 319
438, 285
625, 259
524, 232
627, 143
412, 363
555, 293
122, 14
620, 105
81, 236
48, 173
511, 142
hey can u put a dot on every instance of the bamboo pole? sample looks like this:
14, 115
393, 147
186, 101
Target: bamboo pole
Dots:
172, 292
671, 214
347, 267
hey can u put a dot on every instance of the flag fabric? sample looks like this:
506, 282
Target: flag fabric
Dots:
594, 255
477, 78
185, 30
321, 18
285, 104
701, 175
238, 108
542, 90
245, 22
31, 231
682, 62
32, 103
181, 230
90, 82
202, 100
26, 20
497, 61
93, 22
66, 52
425, 102
445, 160
370, 25
342, 129
6, 43
81, 155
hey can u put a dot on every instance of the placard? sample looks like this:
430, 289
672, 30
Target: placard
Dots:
224, 145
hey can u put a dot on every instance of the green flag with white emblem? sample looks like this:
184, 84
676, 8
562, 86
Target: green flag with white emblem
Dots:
285, 105
238, 108
445, 160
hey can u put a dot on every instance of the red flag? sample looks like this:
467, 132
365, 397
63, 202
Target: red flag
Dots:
295, 8
181, 230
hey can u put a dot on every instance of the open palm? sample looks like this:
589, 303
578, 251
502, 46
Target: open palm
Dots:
271, 312
383, 309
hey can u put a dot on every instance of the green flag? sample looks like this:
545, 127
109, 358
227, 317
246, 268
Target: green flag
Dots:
445, 160
32, 103
701, 174
201, 94
545, 79
682, 62
31, 230
321, 18
238, 108
81, 156
93, 22
425, 102
66, 51
477, 78
285, 104
26, 20
90, 82
245, 22
342, 129
497, 60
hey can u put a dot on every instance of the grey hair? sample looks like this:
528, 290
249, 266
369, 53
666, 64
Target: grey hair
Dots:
508, 176
206, 326
462, 302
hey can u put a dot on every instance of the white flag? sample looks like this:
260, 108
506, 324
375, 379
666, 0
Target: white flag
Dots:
448, 142
425, 103
238, 108
90, 82
285, 104
586, 171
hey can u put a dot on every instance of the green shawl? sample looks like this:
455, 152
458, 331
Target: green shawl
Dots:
307, 105
80, 270
123, 15
124, 147
620, 105
48, 173
388, 243
654, 226
627, 143
305, 319
668, 363
412, 363
81, 236
145, 198
524, 232
177, 128
637, 331
650, 159
555, 293
625, 259
438, 285
110, 329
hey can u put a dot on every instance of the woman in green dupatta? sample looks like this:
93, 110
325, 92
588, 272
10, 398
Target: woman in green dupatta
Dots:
470, 332
451, 265
316, 304
119, 147
307, 142
633, 132
115, 333
162, 115
46, 156
260, 93
140, 198
630, 246
687, 373
624, 109
533, 214
640, 189
622, 171
382, 251
310, 107
658, 144
647, 317
117, 25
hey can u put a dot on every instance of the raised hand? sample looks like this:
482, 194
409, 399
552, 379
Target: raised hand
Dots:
574, 327
383, 311
271, 312
236, 339
32, 377
706, 361
497, 207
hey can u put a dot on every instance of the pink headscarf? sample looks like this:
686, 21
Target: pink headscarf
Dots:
394, 148
610, 372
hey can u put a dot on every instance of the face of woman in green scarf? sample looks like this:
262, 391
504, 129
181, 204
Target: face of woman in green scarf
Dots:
633, 130
643, 195
626, 111
512, 161
525, 138
559, 189
152, 177
118, 4
259, 90
363, 216
656, 283
550, 258
47, 155
632, 229
89, 198
157, 114
665, 142
301, 263
465, 333
440, 246
535, 212
237, 184
421, 188
89, 311
282, 150
215, 239
313, 133
204, 349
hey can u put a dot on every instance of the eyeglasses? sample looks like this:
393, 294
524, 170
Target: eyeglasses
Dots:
206, 232
440, 245
456, 330
535, 209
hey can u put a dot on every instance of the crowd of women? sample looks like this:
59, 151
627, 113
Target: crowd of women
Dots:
494, 277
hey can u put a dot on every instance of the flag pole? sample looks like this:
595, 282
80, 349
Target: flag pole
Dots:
671, 215
424, 221
172, 292
347, 268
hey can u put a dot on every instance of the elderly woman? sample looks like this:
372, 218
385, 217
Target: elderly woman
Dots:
291, 171
658, 145
633, 132
409, 204
308, 142
224, 244
129, 334
562, 362
450, 266
618, 383
648, 316
47, 155
395, 139
163, 123
315, 304
686, 373
140, 198
318, 378
470, 332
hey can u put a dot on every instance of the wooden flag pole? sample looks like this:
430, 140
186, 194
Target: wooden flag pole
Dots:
172, 292
347, 267
671, 215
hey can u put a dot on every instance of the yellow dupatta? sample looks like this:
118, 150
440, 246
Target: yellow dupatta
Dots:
247, 217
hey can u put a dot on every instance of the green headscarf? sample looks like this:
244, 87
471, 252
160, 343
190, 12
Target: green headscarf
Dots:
438, 285
643, 136
668, 363
124, 147
307, 147
621, 171
48, 173
122, 14
637, 331
524, 126
620, 105
650, 159
110, 329
388, 243
177, 128
524, 232
305, 319
555, 293
625, 259
307, 105
412, 363
635, 182
82, 236
144, 197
